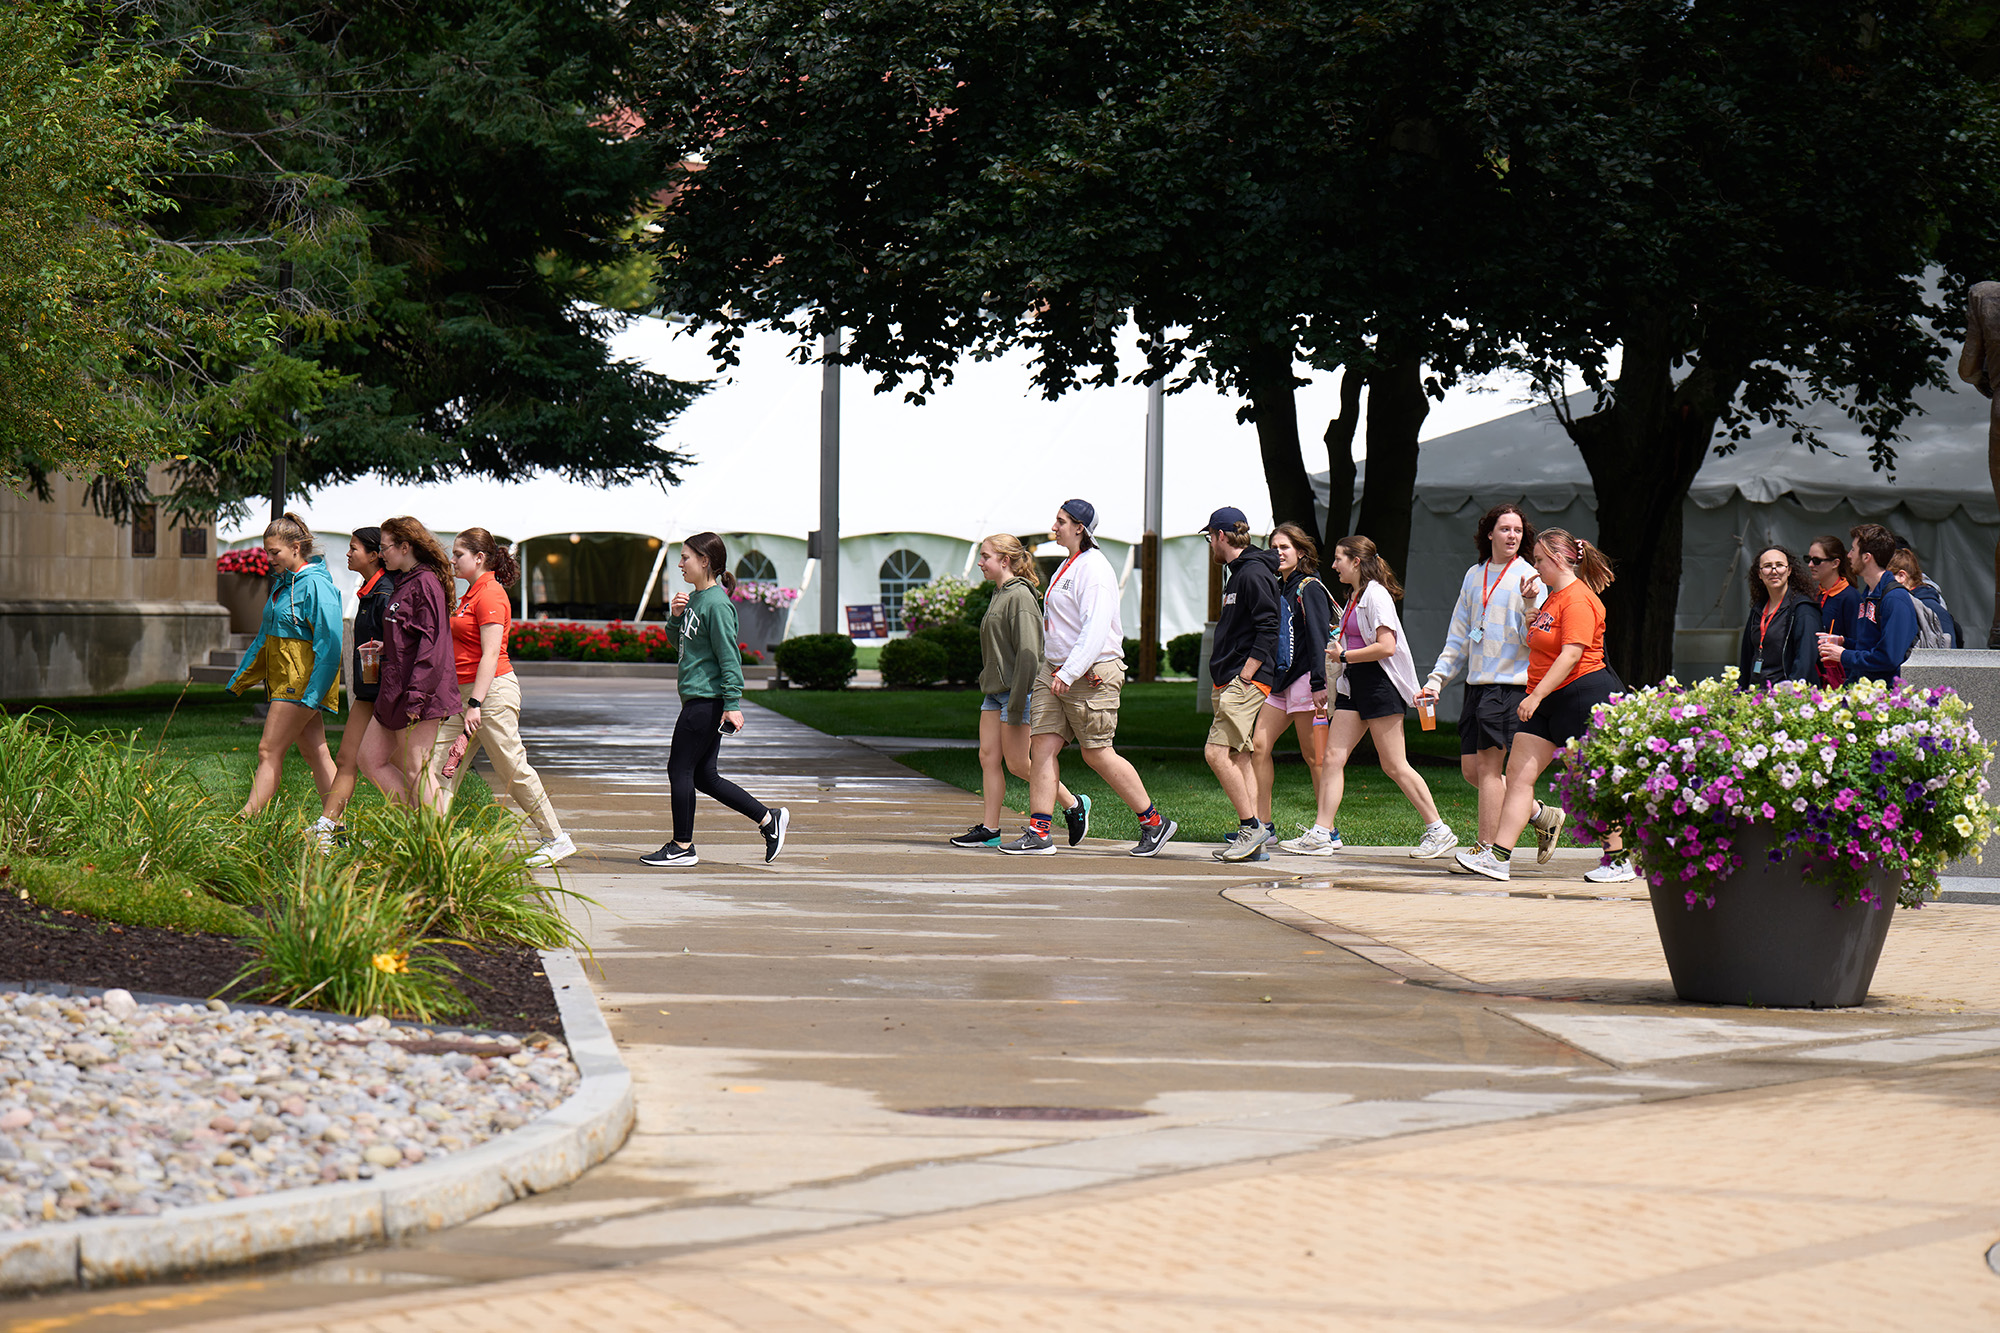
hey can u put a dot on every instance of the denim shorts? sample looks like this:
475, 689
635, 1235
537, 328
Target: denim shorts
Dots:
995, 702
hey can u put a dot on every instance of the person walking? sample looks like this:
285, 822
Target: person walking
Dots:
1010, 652
491, 693
1839, 600
1298, 698
1567, 678
1242, 669
1377, 685
1907, 569
364, 557
1076, 691
1781, 637
1488, 639
703, 626
419, 688
1886, 624
296, 658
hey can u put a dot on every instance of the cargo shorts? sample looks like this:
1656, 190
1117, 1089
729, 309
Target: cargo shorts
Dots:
1237, 707
1087, 714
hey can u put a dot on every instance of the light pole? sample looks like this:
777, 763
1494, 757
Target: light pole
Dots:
827, 547
1149, 541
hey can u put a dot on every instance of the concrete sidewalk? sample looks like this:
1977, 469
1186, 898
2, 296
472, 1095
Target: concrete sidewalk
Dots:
1355, 1093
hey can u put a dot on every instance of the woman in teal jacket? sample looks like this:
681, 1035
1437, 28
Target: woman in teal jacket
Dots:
296, 657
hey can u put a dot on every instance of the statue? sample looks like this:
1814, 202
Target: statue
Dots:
1979, 366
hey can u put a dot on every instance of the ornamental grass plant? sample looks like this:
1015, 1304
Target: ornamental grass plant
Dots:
466, 874
1852, 782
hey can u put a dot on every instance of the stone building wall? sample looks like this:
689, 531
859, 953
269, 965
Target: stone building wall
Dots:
88, 605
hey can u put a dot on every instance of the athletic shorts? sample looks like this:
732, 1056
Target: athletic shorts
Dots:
1296, 697
1565, 715
1370, 692
287, 670
1489, 717
1087, 713
1237, 706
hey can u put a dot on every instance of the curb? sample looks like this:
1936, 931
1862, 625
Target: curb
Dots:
590, 1125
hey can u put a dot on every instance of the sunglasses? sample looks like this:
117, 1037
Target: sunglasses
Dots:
1822, 559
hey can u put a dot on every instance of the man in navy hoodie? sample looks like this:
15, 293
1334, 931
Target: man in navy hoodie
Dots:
1886, 625
1241, 667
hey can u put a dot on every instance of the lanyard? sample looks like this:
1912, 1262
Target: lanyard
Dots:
1486, 593
1347, 617
1764, 625
1048, 617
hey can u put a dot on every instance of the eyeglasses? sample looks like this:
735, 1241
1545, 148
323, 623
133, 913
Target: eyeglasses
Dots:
1822, 559
1779, 568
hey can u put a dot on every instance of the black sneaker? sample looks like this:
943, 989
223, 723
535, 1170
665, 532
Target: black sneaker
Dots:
1078, 819
1030, 843
1152, 837
671, 855
773, 828
978, 836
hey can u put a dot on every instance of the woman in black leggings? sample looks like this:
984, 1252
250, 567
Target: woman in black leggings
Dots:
703, 625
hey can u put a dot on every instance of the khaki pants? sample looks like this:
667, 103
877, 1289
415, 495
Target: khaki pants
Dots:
499, 735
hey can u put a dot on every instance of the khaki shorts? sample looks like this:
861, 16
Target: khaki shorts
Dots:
1087, 714
1237, 705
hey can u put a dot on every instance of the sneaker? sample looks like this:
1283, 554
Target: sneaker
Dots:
978, 836
1548, 826
1477, 848
326, 834
1436, 842
1078, 819
773, 828
1152, 837
1245, 845
1618, 872
1030, 843
551, 851
1484, 863
671, 855
1313, 842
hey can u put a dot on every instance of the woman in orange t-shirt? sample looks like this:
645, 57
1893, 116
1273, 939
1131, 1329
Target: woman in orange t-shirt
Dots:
491, 692
1567, 680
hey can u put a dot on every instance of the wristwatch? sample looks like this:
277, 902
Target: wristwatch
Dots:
475, 703
1343, 654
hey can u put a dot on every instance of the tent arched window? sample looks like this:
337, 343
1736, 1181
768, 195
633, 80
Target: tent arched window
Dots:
755, 567
902, 571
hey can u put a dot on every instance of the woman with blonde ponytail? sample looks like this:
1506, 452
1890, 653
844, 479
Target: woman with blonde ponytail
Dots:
296, 657
1010, 647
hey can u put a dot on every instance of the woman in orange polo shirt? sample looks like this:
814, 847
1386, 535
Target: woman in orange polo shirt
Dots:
491, 692
1567, 680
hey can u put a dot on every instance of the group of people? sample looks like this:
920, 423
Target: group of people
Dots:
431, 685
1849, 610
1527, 632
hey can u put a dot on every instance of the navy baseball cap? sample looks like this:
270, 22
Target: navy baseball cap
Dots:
1083, 512
1225, 519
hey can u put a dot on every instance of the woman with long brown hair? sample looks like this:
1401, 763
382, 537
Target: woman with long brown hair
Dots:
1567, 679
1781, 636
296, 658
1377, 685
1010, 648
491, 692
1298, 698
364, 557
419, 687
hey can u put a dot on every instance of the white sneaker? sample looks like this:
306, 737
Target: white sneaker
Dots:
1436, 842
1548, 824
324, 833
1618, 872
1315, 841
1484, 863
1246, 844
551, 851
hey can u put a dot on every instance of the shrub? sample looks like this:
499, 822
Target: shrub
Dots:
817, 661
466, 875
1130, 648
1184, 654
567, 641
938, 602
960, 642
976, 603
912, 663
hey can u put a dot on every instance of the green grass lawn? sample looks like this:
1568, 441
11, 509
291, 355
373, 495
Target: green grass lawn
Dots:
1160, 732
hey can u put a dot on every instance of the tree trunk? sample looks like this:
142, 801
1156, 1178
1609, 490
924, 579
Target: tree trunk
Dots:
1340, 462
1397, 407
1643, 452
1267, 375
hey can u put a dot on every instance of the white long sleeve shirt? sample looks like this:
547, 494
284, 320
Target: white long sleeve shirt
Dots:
1080, 617
1500, 656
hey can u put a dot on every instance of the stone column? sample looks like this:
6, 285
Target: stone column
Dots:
1975, 674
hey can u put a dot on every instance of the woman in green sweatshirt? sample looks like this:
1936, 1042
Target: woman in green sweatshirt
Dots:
703, 626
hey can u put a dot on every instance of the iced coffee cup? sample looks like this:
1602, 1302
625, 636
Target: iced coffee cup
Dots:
371, 664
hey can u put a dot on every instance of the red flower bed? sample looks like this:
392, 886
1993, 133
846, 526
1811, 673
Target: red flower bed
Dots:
252, 560
568, 641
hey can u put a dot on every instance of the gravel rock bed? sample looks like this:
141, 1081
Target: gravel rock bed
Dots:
110, 1108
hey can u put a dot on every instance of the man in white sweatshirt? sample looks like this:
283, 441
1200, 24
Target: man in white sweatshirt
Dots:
1076, 695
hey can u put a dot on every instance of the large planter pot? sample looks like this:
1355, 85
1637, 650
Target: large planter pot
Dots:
760, 626
244, 595
1773, 940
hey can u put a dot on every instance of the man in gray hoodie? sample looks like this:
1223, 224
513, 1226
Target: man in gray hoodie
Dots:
1240, 667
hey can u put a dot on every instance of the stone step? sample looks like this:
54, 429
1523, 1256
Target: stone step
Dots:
204, 674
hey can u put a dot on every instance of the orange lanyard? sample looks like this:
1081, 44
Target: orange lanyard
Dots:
1486, 593
1833, 592
1764, 625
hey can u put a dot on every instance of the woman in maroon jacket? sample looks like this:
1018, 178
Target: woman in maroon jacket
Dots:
419, 680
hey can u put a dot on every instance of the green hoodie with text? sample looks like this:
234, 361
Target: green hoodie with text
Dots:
711, 664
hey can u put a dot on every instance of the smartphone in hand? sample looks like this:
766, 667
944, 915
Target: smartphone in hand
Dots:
727, 728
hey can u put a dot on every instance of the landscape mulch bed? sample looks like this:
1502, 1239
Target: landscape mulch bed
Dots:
45, 944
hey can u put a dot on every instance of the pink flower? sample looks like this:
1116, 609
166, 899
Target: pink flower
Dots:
1769, 811
1845, 801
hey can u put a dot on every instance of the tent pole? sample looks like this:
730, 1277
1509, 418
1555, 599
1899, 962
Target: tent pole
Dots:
829, 488
651, 579
523, 567
1149, 543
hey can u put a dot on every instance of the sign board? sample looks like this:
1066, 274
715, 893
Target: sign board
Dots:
867, 622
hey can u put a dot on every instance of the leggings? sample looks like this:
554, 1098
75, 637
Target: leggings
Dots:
691, 768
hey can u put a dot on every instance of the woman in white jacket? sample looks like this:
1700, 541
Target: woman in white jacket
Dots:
1076, 693
1378, 683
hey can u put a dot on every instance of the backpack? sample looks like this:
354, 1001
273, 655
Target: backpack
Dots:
1286, 635
1930, 630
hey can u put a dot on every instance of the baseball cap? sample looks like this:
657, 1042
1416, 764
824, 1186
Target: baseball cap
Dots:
1084, 512
1225, 519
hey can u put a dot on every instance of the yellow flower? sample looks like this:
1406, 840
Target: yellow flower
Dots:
392, 962
1963, 825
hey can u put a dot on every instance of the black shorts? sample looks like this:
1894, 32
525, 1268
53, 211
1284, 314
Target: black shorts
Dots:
1565, 715
1370, 692
1489, 717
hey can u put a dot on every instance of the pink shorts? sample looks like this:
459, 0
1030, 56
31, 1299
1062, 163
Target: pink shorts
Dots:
1294, 698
